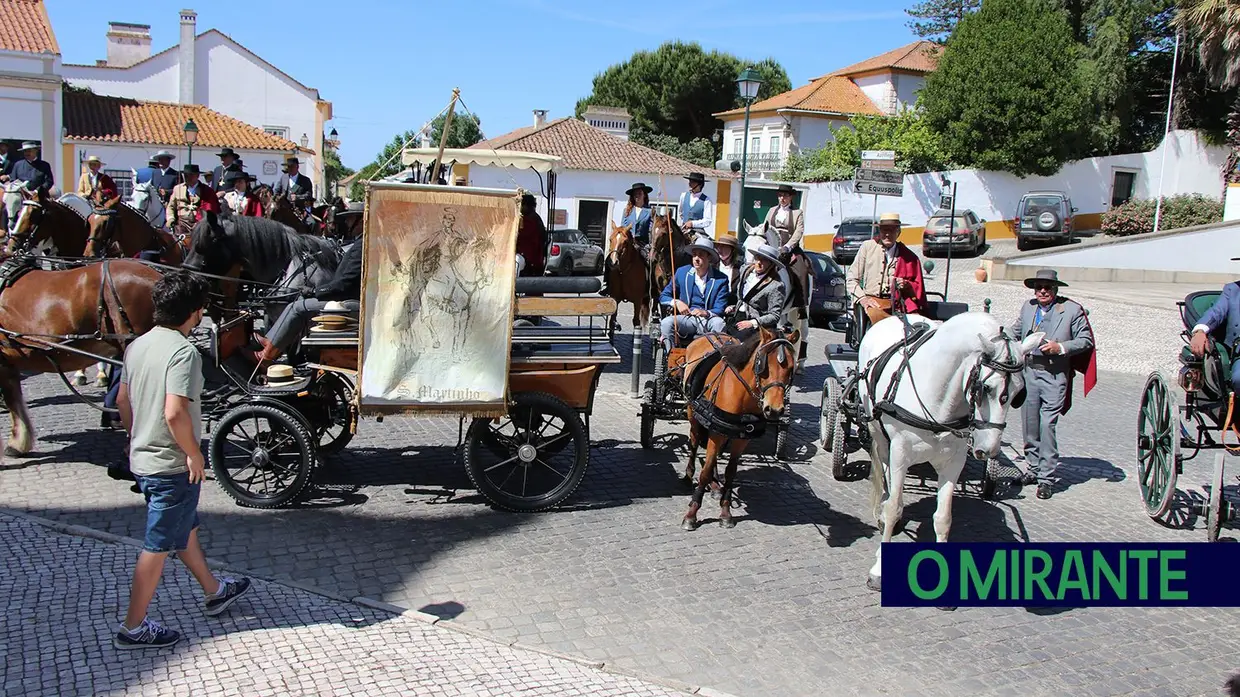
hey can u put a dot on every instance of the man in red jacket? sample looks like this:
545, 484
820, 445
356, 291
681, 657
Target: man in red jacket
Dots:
532, 238
885, 271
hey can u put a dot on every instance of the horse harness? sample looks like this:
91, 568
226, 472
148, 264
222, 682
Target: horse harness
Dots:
916, 336
710, 416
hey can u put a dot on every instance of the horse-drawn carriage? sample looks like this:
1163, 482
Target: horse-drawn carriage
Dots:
1167, 428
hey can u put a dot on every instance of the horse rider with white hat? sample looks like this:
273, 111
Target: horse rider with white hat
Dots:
31, 173
760, 293
697, 211
94, 185
698, 293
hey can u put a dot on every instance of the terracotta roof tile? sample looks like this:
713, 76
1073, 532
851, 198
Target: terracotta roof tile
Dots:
832, 94
918, 57
584, 147
25, 26
92, 117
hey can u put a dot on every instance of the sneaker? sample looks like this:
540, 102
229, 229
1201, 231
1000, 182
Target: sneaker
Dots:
230, 590
148, 635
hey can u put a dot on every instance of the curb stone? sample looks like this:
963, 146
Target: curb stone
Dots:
370, 603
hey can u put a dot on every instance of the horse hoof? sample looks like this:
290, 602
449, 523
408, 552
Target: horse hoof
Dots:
727, 523
688, 525
874, 583
79, 380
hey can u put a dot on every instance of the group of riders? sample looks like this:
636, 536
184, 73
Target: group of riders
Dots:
719, 292
184, 196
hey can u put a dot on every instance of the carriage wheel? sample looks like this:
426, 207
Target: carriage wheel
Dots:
1158, 446
660, 373
647, 433
781, 433
545, 453
831, 391
261, 455
333, 430
839, 450
1215, 507
990, 478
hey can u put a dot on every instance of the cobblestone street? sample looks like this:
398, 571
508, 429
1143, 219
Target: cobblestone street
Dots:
776, 606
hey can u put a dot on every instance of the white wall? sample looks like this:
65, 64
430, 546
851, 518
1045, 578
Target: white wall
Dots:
814, 132
155, 80
23, 113
1196, 252
1192, 167
30, 102
907, 87
1231, 204
126, 156
878, 88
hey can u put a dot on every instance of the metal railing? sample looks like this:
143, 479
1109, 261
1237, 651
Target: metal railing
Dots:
767, 162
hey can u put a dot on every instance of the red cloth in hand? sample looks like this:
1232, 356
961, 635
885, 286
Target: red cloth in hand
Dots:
1085, 363
908, 266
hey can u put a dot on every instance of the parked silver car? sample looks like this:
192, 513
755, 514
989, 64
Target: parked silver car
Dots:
967, 234
572, 254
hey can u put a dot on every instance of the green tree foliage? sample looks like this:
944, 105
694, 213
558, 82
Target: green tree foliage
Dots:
699, 151
918, 149
937, 19
675, 89
466, 130
1009, 93
1213, 26
377, 169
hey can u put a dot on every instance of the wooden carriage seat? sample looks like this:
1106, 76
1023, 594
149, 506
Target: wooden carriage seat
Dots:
1196, 305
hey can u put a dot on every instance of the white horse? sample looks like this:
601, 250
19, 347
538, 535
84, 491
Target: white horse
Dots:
12, 204
144, 200
957, 387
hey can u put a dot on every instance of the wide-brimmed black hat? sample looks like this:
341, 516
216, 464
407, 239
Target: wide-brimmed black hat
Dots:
639, 186
1044, 276
190, 169
291, 160
696, 177
225, 151
786, 189
231, 175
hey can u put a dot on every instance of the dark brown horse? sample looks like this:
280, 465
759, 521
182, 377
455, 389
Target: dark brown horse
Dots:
280, 209
626, 279
49, 227
124, 232
668, 252
750, 379
112, 298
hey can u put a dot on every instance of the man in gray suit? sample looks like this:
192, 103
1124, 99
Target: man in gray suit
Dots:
1048, 371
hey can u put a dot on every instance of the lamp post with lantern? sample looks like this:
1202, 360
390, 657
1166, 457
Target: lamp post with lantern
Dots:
191, 137
333, 141
748, 83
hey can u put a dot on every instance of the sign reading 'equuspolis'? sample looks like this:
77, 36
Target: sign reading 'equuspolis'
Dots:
1061, 574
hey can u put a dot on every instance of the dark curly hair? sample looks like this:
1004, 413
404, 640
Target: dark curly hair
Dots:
178, 295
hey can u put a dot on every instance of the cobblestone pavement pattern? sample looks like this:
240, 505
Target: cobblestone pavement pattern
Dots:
62, 592
776, 606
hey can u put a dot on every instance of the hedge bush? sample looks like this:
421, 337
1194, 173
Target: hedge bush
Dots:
1184, 210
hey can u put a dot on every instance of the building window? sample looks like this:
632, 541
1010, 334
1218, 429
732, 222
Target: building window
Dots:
665, 208
737, 145
774, 145
1123, 186
755, 145
277, 131
123, 179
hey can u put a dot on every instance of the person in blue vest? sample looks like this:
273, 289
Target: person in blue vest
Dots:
165, 178
145, 174
697, 212
699, 295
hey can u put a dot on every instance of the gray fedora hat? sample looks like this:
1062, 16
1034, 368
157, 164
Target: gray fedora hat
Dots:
1044, 276
29, 145
769, 253
163, 153
705, 244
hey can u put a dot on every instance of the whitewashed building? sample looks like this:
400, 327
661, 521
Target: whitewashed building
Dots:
30, 82
211, 70
806, 117
599, 166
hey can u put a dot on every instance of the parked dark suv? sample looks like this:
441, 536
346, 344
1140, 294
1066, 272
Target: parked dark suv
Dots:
1044, 215
849, 235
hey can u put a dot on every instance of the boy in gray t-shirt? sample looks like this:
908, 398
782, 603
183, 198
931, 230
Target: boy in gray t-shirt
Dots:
160, 405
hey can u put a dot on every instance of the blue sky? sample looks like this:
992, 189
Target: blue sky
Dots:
388, 66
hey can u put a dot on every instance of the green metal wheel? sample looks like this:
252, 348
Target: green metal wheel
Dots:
1158, 446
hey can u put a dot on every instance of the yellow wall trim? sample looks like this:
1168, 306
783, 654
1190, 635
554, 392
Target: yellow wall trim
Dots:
723, 206
995, 230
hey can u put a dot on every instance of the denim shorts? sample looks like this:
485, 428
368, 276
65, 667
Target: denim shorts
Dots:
171, 511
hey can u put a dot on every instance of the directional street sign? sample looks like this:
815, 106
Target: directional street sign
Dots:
878, 154
945, 202
880, 182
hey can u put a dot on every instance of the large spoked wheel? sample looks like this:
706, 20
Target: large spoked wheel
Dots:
782, 427
334, 418
832, 389
990, 479
647, 432
660, 372
262, 455
544, 453
1217, 509
1158, 446
839, 446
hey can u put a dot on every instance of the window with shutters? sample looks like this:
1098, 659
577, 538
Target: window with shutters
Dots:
123, 179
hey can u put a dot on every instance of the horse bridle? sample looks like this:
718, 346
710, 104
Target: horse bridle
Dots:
977, 389
758, 390
23, 240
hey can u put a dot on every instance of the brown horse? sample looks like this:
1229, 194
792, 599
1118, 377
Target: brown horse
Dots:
626, 279
111, 300
49, 226
668, 252
123, 231
280, 209
750, 378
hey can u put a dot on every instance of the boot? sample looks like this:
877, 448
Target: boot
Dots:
267, 354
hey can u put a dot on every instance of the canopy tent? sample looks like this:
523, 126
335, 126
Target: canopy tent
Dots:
484, 158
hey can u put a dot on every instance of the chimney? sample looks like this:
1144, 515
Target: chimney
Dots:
185, 55
540, 118
127, 44
613, 120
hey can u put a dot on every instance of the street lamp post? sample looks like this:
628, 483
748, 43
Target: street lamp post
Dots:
748, 83
191, 137
951, 232
334, 141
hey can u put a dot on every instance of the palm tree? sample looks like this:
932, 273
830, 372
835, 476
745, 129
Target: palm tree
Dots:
1214, 26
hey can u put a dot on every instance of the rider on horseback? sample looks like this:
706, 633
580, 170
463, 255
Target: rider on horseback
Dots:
298, 188
33, 174
97, 187
190, 200
697, 211
638, 219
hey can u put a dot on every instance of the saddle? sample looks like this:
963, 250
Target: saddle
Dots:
883, 311
13, 268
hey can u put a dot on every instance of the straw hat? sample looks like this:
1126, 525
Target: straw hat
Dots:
332, 323
890, 218
280, 375
95, 158
729, 240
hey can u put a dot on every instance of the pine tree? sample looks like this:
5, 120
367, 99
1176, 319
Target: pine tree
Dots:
939, 17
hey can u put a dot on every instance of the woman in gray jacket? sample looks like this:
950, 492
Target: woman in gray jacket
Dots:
759, 294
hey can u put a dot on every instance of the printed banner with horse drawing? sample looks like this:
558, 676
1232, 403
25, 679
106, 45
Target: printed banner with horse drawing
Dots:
437, 299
